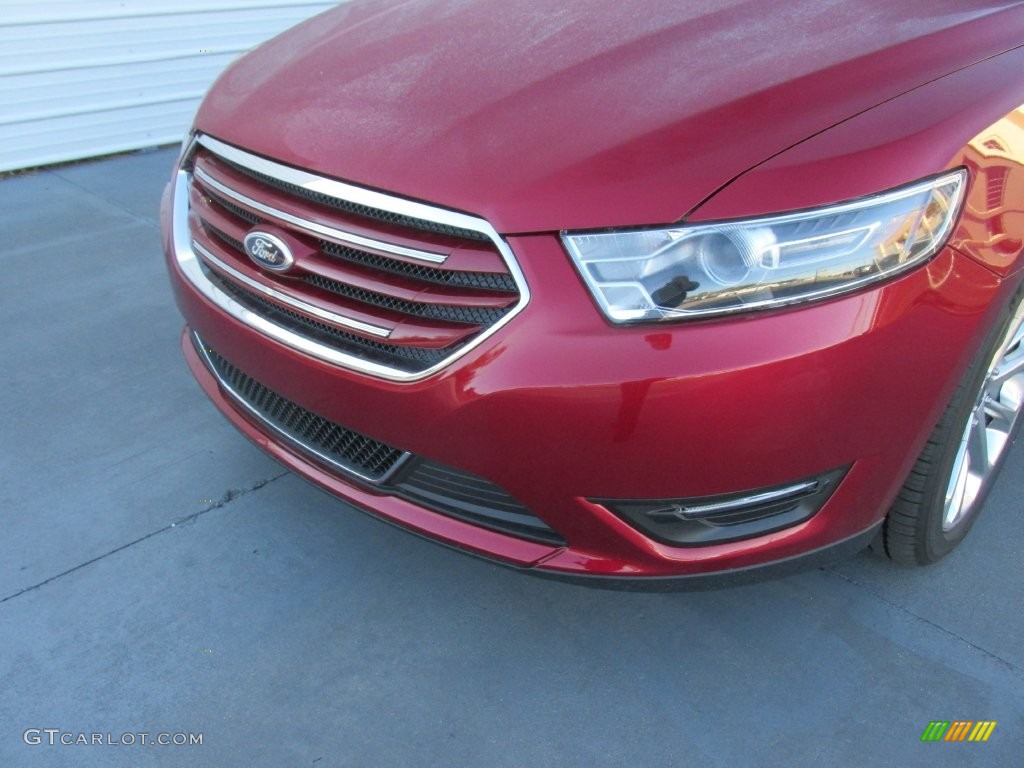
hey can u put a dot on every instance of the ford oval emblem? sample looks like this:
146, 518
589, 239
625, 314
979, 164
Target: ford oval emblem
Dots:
268, 251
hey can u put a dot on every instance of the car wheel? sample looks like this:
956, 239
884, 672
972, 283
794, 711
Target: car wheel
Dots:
944, 493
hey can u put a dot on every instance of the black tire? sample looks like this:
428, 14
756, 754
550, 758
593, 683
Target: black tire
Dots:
914, 532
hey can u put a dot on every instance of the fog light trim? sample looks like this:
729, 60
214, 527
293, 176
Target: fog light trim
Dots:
704, 520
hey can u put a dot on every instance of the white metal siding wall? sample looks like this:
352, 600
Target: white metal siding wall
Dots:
89, 77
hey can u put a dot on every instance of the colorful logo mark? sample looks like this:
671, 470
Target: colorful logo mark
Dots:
958, 730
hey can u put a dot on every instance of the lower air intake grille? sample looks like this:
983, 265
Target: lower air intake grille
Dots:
355, 453
435, 486
473, 499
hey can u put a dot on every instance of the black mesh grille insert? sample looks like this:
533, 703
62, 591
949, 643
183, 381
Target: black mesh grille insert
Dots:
443, 489
484, 280
237, 210
357, 453
457, 314
235, 244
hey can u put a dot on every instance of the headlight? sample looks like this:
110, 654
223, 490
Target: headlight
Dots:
710, 269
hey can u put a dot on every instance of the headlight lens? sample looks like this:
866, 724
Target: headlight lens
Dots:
711, 269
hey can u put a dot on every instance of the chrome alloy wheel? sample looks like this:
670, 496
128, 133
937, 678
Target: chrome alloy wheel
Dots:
987, 433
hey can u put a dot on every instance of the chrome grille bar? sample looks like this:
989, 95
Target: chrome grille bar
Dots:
302, 306
319, 229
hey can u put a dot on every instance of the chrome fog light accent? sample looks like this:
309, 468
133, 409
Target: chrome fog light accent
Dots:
727, 517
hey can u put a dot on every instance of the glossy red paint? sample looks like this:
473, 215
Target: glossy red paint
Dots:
941, 125
540, 119
555, 412
550, 121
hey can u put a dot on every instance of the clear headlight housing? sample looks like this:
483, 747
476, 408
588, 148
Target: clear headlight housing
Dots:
735, 266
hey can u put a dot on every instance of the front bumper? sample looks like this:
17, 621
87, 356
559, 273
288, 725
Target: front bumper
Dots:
559, 408
526, 556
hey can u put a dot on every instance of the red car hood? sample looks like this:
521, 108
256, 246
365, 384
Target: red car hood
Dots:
565, 114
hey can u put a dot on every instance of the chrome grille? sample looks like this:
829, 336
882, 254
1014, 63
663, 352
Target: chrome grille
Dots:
387, 286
